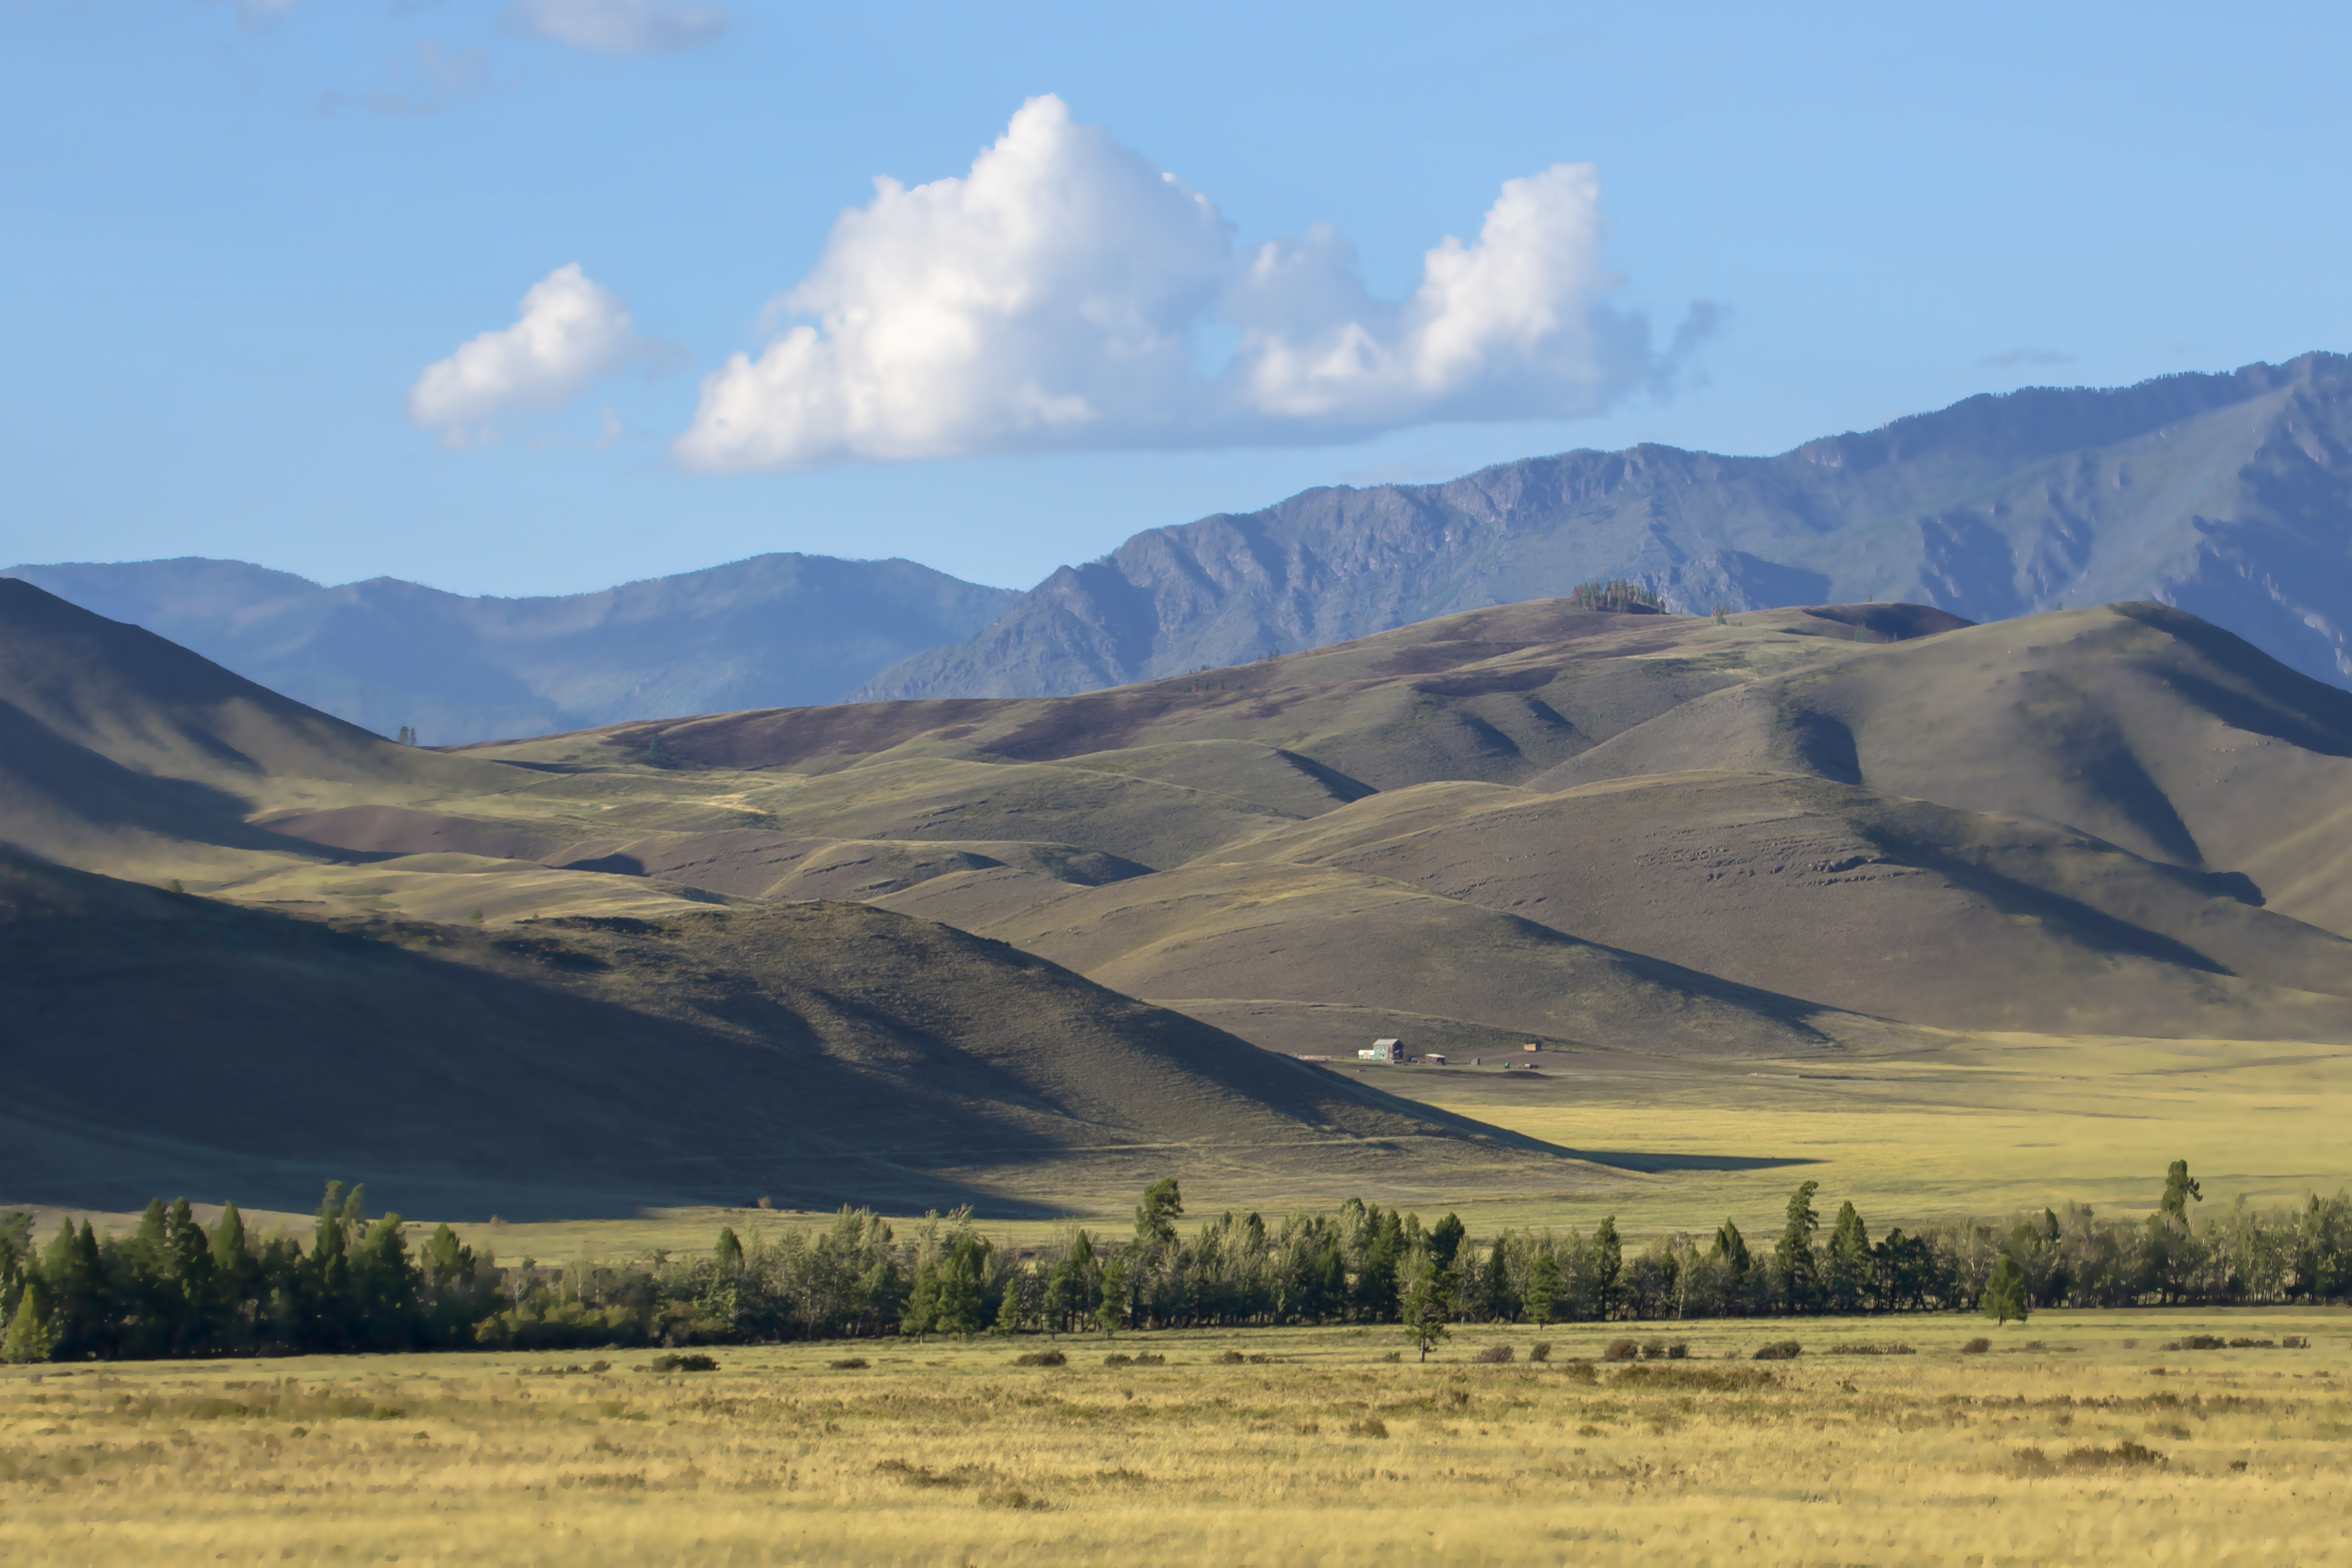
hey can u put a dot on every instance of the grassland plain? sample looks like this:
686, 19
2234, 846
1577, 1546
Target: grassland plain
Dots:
2079, 1437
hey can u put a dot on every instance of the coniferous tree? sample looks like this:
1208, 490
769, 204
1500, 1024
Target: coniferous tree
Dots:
1543, 1287
1502, 1303
1794, 1265
1423, 1304
1849, 1271
1110, 1314
2005, 1293
1607, 1267
1445, 1240
2180, 1190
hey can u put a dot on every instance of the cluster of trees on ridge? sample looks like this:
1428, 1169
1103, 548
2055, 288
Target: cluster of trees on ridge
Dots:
172, 1288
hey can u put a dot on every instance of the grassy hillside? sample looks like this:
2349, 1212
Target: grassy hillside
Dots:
813, 1054
1809, 841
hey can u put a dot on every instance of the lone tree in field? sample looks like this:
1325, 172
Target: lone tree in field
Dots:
2005, 1293
1424, 1305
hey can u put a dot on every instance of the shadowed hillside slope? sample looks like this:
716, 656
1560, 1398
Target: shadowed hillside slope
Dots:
816, 1054
2228, 495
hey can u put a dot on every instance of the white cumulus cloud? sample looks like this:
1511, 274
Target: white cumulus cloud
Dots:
1061, 294
573, 332
619, 27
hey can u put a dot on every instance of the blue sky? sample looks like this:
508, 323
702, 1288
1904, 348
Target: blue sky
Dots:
248, 242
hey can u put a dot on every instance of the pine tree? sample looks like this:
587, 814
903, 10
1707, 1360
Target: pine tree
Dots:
1445, 1240
1110, 1314
2005, 1293
1849, 1260
2178, 1191
1608, 1266
1543, 1288
1424, 1305
1794, 1264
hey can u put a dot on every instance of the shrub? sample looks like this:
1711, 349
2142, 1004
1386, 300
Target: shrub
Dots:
2196, 1342
1976, 1347
1540, 1351
1119, 1358
1872, 1350
2294, 1341
1042, 1358
1653, 1350
1717, 1379
849, 1363
1368, 1427
694, 1361
1678, 1351
2124, 1454
1581, 1371
1779, 1349
1235, 1358
2252, 1344
1618, 1349
1493, 1355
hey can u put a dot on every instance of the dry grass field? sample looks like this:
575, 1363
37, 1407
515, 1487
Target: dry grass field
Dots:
2080, 1438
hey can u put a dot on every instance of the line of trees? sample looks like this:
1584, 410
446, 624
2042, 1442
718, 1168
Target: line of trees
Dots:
172, 1289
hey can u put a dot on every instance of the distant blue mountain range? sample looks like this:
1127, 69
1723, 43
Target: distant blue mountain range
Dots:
2228, 495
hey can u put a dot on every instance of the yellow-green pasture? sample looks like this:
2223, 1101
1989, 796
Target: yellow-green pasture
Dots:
2077, 1439
1964, 1126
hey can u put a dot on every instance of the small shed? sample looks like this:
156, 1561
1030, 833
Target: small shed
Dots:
1434, 1059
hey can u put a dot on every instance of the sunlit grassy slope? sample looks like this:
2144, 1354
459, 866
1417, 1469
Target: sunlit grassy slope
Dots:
2079, 1438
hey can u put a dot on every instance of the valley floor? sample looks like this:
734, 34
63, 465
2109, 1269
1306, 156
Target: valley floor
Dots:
2079, 1437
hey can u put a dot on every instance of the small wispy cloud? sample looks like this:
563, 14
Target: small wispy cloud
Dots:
425, 80
619, 27
2018, 358
258, 13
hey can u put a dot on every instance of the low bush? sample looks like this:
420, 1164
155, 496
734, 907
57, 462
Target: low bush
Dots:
849, 1363
1620, 1350
1653, 1350
1872, 1350
1976, 1347
1714, 1379
2197, 1341
2294, 1341
2125, 1455
1368, 1427
1143, 1358
1540, 1351
1042, 1358
1678, 1351
1493, 1355
1232, 1358
1581, 1371
1778, 1350
693, 1361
